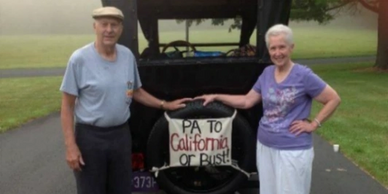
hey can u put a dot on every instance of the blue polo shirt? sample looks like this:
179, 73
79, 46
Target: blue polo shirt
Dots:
103, 88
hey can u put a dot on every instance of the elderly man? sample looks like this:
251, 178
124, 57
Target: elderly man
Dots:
99, 84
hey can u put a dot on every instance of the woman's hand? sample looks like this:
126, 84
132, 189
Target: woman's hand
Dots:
302, 126
207, 98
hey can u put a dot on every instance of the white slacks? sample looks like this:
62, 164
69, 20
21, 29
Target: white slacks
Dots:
284, 171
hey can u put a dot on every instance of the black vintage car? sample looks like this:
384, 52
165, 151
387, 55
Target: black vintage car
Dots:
171, 76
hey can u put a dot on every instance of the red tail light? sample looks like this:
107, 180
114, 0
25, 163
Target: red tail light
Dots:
137, 161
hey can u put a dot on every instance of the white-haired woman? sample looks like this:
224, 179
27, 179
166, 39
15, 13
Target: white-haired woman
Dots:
284, 141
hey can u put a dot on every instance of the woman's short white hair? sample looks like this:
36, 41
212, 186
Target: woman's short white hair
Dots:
280, 29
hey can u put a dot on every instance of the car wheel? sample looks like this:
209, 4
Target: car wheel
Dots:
208, 179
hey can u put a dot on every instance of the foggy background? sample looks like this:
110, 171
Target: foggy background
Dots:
74, 17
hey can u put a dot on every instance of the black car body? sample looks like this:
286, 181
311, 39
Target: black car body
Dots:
173, 78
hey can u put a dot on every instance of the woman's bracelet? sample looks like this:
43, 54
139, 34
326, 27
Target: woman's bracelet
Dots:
319, 123
162, 104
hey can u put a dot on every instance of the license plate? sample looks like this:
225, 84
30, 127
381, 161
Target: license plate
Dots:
144, 182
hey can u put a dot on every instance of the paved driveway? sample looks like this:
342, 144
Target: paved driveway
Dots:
32, 162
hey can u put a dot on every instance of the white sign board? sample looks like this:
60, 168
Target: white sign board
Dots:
200, 142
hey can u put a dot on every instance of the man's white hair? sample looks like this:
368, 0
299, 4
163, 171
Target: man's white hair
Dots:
280, 29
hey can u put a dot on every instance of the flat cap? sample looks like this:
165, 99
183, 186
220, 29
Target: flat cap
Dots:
108, 12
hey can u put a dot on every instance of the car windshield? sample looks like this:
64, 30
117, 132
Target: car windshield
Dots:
151, 41
198, 38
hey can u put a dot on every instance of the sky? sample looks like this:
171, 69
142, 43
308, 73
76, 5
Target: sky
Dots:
74, 17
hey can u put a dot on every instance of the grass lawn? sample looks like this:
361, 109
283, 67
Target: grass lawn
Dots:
32, 51
23, 99
360, 124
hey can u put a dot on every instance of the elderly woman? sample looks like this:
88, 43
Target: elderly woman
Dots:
284, 141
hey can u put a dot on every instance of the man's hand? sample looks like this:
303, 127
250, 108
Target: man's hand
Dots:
74, 158
207, 98
176, 104
302, 126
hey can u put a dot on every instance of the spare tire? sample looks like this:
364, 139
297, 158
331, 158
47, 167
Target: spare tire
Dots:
209, 179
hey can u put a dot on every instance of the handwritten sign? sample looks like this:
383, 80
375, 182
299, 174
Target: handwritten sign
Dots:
200, 142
